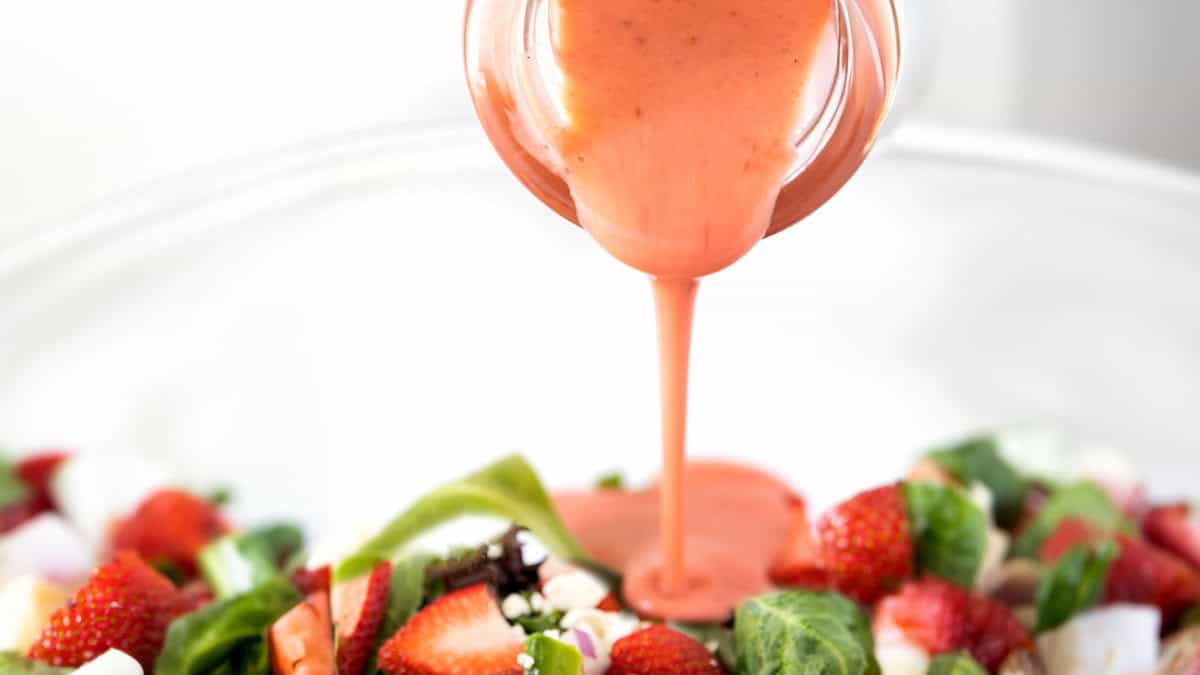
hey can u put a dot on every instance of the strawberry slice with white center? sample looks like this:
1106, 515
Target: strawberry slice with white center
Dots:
463, 632
358, 609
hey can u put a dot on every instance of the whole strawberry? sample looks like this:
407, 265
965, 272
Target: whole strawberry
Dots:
659, 650
125, 605
170, 526
866, 546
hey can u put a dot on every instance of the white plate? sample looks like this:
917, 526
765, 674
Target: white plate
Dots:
336, 327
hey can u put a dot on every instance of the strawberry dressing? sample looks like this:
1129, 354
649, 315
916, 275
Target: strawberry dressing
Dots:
682, 122
737, 519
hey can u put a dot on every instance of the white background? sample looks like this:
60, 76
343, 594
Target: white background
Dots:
97, 97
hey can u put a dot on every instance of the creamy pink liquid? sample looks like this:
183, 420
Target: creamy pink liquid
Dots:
682, 118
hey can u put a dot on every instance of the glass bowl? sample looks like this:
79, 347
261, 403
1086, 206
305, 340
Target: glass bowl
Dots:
336, 327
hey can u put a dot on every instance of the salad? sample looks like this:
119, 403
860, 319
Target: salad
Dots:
966, 566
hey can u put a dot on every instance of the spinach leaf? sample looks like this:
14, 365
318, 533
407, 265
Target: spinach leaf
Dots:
225, 631
1074, 584
12, 663
978, 459
949, 532
708, 633
1083, 499
404, 598
960, 663
803, 633
509, 489
236, 563
12, 489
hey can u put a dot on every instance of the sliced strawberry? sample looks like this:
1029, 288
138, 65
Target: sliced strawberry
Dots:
659, 650
358, 608
941, 617
36, 471
1147, 575
463, 632
1069, 533
866, 547
1176, 528
310, 581
196, 594
799, 563
302, 640
170, 526
1141, 574
17, 514
125, 605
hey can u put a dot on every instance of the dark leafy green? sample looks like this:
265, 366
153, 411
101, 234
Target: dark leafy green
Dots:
1084, 500
803, 633
221, 496
1074, 584
949, 532
708, 633
553, 657
538, 623
404, 598
955, 664
1191, 617
12, 663
12, 488
613, 480
509, 489
226, 631
238, 562
978, 459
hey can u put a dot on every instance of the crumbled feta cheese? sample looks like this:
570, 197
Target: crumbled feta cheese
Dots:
1114, 640
574, 590
26, 604
111, 662
990, 569
537, 602
896, 653
982, 497
532, 551
515, 605
525, 661
552, 634
494, 551
606, 627
902, 659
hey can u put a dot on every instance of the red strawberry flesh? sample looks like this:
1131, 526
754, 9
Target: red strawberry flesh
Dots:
659, 650
463, 632
1176, 528
359, 606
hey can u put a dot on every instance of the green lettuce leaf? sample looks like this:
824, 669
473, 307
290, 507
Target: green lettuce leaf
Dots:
228, 631
949, 532
12, 663
1083, 499
508, 489
236, 563
955, 664
553, 657
803, 633
12, 489
1074, 584
978, 459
